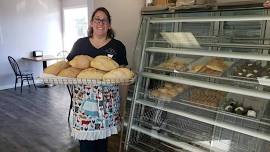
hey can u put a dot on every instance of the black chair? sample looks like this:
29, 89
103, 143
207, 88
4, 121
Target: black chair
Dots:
20, 75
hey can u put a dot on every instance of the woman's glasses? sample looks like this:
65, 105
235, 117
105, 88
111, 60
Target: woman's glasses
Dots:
99, 21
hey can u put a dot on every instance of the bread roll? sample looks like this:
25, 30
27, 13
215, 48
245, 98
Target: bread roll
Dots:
165, 96
70, 72
119, 74
172, 93
163, 90
91, 73
154, 93
104, 63
56, 67
168, 85
81, 61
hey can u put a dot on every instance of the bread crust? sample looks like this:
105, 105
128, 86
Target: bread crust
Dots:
104, 63
81, 61
70, 72
119, 74
91, 73
56, 67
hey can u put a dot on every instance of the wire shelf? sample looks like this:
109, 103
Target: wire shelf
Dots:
56, 80
146, 143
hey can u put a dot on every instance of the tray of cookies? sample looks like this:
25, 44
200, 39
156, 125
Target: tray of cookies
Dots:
203, 97
83, 69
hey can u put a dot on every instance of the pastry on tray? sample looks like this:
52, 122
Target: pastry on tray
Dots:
91, 73
70, 72
119, 74
168, 91
81, 61
172, 64
234, 107
104, 63
216, 64
252, 70
205, 97
55, 68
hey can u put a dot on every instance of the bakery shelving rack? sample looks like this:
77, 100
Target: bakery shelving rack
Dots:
236, 36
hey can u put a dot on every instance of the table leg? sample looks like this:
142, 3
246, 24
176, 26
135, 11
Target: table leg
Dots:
45, 85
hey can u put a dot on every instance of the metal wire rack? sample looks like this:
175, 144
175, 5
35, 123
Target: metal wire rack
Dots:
147, 144
56, 80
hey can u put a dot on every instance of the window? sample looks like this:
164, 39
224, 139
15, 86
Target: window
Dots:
75, 25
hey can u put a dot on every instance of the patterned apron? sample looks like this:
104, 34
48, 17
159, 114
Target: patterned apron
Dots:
95, 111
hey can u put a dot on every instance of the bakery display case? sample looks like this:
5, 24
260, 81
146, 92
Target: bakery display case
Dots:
203, 83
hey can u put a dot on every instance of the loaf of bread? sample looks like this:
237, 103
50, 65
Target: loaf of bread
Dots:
81, 61
119, 74
91, 73
104, 63
56, 67
70, 72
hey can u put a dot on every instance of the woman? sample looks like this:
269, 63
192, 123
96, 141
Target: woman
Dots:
96, 107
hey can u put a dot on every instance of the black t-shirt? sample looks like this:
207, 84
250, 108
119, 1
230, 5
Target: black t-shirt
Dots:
114, 49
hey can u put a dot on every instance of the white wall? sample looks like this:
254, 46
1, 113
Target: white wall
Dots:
125, 20
27, 25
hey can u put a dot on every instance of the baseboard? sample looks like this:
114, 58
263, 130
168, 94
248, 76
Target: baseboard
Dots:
4, 87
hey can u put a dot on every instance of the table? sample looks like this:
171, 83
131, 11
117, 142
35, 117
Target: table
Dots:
44, 60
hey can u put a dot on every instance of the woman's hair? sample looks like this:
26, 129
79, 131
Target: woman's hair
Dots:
110, 32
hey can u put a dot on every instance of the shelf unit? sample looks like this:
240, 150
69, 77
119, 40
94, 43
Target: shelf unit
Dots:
187, 121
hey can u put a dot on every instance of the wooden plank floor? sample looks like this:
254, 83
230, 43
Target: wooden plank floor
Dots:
36, 121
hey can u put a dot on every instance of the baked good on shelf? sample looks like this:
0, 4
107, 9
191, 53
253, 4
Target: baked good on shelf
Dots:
70, 72
216, 64
168, 85
251, 113
119, 74
239, 110
163, 90
197, 68
154, 93
81, 61
174, 63
56, 67
165, 96
91, 73
205, 97
104, 63
172, 93
252, 70
229, 108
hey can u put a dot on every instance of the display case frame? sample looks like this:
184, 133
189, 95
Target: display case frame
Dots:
235, 125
